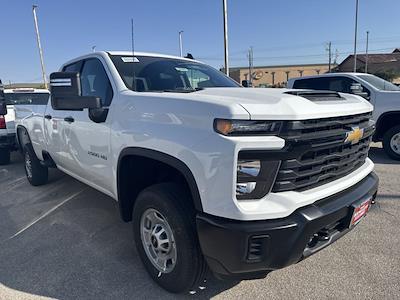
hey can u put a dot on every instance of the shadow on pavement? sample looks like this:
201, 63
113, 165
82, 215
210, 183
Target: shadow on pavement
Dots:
378, 155
81, 250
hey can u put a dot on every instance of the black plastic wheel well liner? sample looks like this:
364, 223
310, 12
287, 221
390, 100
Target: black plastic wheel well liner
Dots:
149, 161
386, 121
22, 137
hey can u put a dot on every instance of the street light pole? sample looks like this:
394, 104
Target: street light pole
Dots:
225, 11
355, 38
366, 54
39, 45
180, 43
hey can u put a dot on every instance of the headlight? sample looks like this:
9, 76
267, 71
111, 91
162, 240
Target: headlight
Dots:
255, 178
246, 127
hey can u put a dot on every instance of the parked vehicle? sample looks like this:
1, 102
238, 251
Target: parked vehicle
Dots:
384, 95
240, 181
15, 97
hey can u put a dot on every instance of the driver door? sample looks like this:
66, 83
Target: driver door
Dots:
88, 140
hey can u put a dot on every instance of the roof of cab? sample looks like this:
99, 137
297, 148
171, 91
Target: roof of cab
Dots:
351, 74
129, 53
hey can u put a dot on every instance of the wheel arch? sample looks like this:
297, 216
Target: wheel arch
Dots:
386, 121
126, 200
22, 137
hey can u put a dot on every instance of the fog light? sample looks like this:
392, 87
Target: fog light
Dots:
249, 167
254, 177
245, 188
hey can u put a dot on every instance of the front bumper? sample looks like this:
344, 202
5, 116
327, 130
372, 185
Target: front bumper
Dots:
251, 249
8, 141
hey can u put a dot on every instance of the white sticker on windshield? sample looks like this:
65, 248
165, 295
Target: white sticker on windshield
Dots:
129, 59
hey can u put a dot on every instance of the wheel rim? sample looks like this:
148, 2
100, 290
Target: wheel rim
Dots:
395, 143
158, 240
28, 165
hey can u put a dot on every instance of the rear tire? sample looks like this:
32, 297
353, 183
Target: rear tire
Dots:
391, 142
36, 173
5, 155
185, 265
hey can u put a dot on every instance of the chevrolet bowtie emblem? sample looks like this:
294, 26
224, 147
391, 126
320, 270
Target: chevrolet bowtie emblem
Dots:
354, 136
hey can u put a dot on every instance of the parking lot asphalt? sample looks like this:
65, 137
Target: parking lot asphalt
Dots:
65, 240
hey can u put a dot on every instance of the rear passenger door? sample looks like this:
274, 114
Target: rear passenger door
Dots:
57, 130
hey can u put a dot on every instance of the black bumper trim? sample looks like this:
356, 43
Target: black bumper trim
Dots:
226, 243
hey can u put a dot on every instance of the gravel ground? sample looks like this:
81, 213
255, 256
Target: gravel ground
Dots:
66, 241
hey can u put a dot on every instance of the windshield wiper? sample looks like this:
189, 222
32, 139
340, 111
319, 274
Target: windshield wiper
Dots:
184, 90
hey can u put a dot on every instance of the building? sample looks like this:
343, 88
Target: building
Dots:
385, 65
276, 76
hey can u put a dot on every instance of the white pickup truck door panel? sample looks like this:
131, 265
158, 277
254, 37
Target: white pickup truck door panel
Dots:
55, 135
88, 142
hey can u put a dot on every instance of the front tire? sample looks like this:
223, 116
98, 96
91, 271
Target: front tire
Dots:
391, 142
166, 238
36, 173
5, 155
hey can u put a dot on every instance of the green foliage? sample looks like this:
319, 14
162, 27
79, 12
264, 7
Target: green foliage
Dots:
388, 75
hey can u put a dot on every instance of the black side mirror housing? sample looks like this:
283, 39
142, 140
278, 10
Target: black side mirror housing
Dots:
3, 104
65, 89
245, 83
357, 89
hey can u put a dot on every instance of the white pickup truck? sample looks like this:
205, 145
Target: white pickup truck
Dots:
11, 98
384, 95
213, 175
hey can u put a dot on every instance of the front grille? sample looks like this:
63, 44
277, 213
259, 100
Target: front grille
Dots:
319, 152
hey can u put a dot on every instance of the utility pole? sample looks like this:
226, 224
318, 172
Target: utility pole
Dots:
225, 14
39, 45
329, 48
355, 38
180, 43
366, 54
250, 56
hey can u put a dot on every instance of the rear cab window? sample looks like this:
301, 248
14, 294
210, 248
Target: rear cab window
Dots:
26, 98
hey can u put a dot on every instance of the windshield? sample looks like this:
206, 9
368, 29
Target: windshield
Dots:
379, 83
26, 98
158, 74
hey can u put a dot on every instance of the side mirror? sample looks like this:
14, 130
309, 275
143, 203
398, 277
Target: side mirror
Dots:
245, 83
65, 90
3, 104
357, 89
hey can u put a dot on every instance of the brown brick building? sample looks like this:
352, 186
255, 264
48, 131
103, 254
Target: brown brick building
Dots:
267, 76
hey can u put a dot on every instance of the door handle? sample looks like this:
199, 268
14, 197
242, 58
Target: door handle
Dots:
69, 119
48, 117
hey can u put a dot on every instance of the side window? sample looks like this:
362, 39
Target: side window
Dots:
75, 67
340, 84
95, 82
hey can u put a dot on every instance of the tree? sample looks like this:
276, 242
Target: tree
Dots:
388, 75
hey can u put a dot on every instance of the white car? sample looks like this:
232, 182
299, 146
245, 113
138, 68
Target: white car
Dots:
384, 95
15, 97
213, 175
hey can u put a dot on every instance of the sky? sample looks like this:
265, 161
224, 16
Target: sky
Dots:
280, 32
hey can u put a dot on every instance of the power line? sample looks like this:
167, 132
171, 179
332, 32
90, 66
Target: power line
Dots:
293, 56
309, 45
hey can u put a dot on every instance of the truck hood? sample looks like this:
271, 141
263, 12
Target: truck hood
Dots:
278, 104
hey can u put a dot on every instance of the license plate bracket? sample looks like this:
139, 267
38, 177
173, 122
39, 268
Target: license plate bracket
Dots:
358, 211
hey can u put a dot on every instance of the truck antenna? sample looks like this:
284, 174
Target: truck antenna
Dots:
133, 58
